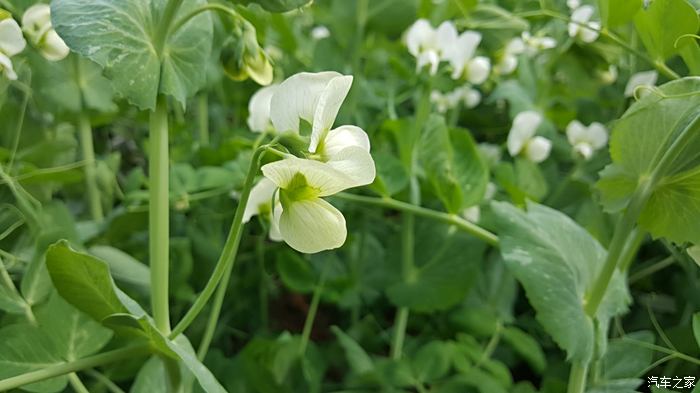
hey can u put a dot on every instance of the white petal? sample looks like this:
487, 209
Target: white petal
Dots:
507, 65
573, 4
446, 37
472, 214
515, 46
275, 234
591, 32
312, 226
597, 135
525, 125
472, 98
356, 163
645, 78
418, 34
6, 67
321, 176
260, 195
320, 32
345, 136
259, 109
52, 47
462, 52
478, 70
575, 132
37, 18
11, 39
582, 14
537, 150
584, 150
573, 29
327, 109
546, 43
297, 98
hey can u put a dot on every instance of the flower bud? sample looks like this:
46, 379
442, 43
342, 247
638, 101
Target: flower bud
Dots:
245, 58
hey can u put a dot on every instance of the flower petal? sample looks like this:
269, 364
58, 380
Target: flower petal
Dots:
597, 135
52, 47
327, 109
525, 125
11, 39
462, 51
275, 234
259, 109
345, 136
260, 195
311, 226
590, 32
321, 176
575, 132
537, 150
418, 34
644, 78
37, 20
356, 163
446, 37
6, 67
297, 98
478, 70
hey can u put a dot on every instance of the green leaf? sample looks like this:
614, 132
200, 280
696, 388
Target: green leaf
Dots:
296, 272
446, 266
357, 358
279, 5
617, 12
432, 361
26, 348
556, 261
526, 346
626, 358
150, 377
10, 300
696, 327
391, 175
120, 36
459, 179
123, 266
84, 281
661, 23
635, 154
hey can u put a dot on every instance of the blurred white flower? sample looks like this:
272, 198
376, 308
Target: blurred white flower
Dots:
609, 76
644, 78
429, 45
522, 139
320, 32
36, 24
509, 56
466, 95
586, 140
475, 69
573, 4
11, 43
259, 109
581, 26
537, 43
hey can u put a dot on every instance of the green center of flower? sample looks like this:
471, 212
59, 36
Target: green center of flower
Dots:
298, 189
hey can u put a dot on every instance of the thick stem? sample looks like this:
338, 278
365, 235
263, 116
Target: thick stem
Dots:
447, 218
158, 215
71, 367
165, 25
77, 384
228, 255
203, 117
88, 151
577, 378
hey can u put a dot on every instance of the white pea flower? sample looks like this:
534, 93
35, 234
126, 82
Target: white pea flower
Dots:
645, 78
464, 64
522, 139
338, 159
581, 25
509, 57
428, 45
320, 32
260, 203
36, 23
11, 43
537, 43
446, 101
259, 109
573, 4
442, 102
586, 140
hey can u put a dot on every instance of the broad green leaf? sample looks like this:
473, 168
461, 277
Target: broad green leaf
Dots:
120, 36
74, 334
391, 175
10, 300
355, 355
123, 266
617, 12
25, 348
639, 139
526, 346
626, 358
446, 262
296, 272
453, 165
661, 23
84, 281
432, 361
556, 261
150, 378
279, 5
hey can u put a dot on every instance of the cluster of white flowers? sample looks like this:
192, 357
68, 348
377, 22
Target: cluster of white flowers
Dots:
36, 25
450, 100
337, 159
525, 44
581, 25
522, 138
432, 46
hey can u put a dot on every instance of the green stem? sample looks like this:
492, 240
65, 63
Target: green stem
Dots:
165, 26
70, 367
77, 384
228, 255
577, 378
158, 215
18, 128
214, 315
203, 117
207, 7
88, 150
400, 323
311, 314
447, 218
101, 378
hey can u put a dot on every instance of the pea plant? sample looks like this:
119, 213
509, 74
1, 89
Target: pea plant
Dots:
264, 196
